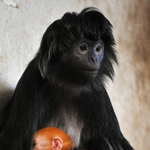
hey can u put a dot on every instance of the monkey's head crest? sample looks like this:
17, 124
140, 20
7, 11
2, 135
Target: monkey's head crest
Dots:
59, 37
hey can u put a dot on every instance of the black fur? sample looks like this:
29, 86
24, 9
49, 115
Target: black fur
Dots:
54, 93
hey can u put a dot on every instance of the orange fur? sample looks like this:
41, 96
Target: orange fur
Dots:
45, 137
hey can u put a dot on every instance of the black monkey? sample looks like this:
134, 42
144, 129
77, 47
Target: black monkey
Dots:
63, 87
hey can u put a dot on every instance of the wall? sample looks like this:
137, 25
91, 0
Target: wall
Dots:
22, 24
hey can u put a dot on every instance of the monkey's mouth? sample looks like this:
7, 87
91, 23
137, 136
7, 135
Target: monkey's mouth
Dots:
92, 72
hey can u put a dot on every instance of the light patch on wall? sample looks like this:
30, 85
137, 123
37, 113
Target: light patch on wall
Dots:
3, 59
10, 3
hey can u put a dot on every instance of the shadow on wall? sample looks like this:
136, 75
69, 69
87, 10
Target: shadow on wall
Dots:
5, 96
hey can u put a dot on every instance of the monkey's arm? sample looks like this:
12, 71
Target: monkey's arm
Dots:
103, 129
21, 122
117, 135
113, 136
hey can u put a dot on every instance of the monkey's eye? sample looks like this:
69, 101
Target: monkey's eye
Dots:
83, 47
98, 48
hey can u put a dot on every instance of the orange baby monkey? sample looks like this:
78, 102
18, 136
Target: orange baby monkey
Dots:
51, 138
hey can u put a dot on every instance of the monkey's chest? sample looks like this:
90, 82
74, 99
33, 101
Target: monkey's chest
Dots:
70, 123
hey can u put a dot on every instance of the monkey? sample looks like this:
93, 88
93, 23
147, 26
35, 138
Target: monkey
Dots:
64, 87
51, 138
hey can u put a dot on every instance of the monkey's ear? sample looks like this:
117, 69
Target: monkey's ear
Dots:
57, 143
43, 55
42, 64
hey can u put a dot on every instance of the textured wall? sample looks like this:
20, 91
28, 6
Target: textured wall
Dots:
22, 23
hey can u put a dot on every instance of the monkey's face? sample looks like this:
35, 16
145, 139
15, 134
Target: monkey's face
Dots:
85, 57
72, 49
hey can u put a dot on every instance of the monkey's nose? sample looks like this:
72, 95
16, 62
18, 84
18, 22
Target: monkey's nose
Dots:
94, 59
